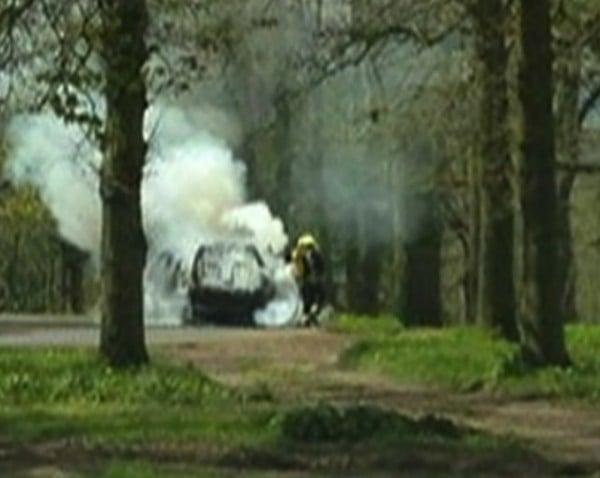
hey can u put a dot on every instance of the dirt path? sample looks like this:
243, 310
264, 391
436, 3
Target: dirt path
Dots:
303, 365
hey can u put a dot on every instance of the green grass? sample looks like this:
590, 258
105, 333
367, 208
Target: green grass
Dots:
79, 377
580, 381
465, 359
365, 326
66, 395
48, 394
325, 423
144, 469
169, 420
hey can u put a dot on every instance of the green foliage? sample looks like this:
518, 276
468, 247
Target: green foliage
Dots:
363, 325
79, 377
169, 420
49, 394
468, 359
29, 269
328, 423
581, 380
141, 469
461, 358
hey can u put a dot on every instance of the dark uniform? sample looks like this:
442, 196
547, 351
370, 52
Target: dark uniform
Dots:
309, 271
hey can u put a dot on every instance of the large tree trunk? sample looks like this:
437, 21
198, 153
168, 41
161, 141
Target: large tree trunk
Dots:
542, 324
123, 243
498, 302
568, 87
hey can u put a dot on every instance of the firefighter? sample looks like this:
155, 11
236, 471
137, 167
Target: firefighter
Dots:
308, 266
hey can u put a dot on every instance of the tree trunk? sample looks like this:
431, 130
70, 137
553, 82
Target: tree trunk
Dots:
542, 322
568, 87
123, 242
567, 272
472, 279
282, 203
72, 267
498, 302
370, 219
364, 266
421, 304
353, 270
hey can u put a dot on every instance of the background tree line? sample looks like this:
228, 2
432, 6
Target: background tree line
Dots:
443, 152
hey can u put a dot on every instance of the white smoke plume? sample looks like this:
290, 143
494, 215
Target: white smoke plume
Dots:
187, 192
193, 193
61, 163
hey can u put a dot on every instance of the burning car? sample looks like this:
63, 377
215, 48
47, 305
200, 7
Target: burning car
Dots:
237, 283
230, 281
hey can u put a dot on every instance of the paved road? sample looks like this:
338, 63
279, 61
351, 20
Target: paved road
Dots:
32, 330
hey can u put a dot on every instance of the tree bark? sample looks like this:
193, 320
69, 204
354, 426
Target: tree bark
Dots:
364, 260
122, 340
542, 321
282, 203
72, 275
421, 304
472, 280
568, 86
498, 301
369, 217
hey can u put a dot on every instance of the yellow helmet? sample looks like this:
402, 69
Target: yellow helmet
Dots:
306, 240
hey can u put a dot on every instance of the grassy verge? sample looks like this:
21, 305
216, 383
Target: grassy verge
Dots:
143, 469
365, 326
469, 359
65, 410
47, 394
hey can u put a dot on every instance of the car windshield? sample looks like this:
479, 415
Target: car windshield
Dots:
229, 267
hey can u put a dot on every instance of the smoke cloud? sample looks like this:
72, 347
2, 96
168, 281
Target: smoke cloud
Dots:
62, 164
193, 193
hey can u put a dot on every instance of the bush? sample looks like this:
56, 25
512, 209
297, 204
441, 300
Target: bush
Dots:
326, 423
